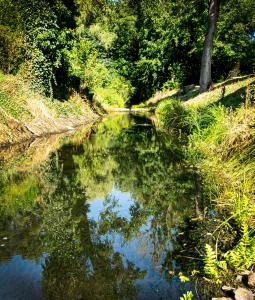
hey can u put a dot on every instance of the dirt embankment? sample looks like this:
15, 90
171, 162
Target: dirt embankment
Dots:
13, 131
25, 114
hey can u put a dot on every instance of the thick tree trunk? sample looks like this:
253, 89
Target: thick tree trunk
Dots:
205, 73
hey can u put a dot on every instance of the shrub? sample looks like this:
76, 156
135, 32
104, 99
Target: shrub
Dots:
98, 74
174, 116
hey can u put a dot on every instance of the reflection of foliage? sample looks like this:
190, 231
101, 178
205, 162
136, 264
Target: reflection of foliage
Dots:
19, 195
96, 167
135, 157
79, 263
127, 153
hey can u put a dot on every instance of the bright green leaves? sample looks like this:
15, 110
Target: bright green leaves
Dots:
210, 261
90, 62
153, 49
187, 296
242, 257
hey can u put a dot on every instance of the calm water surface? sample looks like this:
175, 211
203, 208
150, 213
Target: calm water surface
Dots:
96, 215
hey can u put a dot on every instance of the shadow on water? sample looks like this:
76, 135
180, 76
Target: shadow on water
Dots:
97, 217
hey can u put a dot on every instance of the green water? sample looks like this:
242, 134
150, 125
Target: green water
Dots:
97, 215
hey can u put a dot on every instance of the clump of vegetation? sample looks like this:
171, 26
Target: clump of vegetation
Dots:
26, 113
187, 296
13, 97
173, 115
221, 146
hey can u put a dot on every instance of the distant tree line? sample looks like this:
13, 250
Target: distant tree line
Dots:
124, 50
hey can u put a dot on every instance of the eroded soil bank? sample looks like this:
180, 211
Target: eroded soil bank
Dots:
25, 114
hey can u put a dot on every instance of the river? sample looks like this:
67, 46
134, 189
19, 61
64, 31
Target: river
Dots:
104, 213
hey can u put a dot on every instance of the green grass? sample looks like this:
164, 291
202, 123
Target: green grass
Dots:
64, 109
220, 131
12, 107
230, 95
21, 108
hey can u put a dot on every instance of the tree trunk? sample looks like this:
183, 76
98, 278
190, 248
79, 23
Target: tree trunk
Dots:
205, 73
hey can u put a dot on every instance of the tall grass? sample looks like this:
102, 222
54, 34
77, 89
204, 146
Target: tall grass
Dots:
221, 144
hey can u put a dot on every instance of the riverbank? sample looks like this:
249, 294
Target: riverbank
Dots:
220, 131
25, 114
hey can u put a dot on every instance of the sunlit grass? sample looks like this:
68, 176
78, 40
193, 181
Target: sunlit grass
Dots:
221, 144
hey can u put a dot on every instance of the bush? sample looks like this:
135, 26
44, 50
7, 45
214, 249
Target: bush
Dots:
98, 74
173, 115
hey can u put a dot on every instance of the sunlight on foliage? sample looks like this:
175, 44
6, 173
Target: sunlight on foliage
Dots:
187, 296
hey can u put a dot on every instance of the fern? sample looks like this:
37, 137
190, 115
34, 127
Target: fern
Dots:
252, 251
245, 241
187, 296
210, 261
183, 278
243, 255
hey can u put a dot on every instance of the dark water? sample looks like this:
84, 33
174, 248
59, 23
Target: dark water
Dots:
98, 215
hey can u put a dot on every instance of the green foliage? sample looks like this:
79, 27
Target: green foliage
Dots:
210, 261
12, 41
221, 145
85, 44
11, 49
12, 107
97, 73
234, 42
116, 94
90, 10
183, 278
42, 33
170, 84
242, 257
173, 115
187, 296
35, 40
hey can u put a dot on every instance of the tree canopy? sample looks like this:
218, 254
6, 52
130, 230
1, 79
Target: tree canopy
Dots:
123, 51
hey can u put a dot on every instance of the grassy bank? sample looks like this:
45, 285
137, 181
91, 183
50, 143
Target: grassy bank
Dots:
219, 127
26, 114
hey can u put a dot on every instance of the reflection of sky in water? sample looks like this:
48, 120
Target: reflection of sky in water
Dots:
138, 251
124, 202
20, 279
135, 250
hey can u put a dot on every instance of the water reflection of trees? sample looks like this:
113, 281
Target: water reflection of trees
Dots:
124, 152
142, 160
79, 264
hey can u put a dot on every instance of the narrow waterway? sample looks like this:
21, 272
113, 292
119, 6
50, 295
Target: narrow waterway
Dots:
103, 214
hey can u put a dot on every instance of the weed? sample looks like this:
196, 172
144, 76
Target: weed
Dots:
187, 296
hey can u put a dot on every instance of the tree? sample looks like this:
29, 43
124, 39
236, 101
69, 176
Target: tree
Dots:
205, 74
